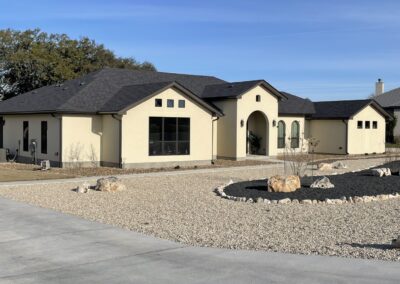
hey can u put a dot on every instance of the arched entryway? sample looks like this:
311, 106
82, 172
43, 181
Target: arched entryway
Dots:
257, 134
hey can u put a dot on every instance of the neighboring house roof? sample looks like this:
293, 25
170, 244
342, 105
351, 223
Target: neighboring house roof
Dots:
344, 109
390, 99
236, 89
294, 105
89, 93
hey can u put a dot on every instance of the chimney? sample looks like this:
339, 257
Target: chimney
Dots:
379, 87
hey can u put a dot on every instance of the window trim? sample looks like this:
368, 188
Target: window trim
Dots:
281, 139
25, 138
295, 140
44, 127
170, 103
163, 141
158, 102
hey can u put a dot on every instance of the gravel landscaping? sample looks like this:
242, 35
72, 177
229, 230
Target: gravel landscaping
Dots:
348, 185
183, 207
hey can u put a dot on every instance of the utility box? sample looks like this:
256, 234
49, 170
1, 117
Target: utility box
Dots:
3, 155
45, 165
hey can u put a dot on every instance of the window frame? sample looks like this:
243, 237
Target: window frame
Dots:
44, 126
374, 124
158, 102
281, 139
360, 124
367, 124
186, 121
170, 103
258, 98
25, 136
181, 104
295, 140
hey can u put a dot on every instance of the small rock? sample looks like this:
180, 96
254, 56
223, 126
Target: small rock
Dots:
358, 199
267, 201
83, 188
340, 165
328, 201
274, 201
315, 201
381, 172
285, 201
306, 201
250, 200
295, 201
260, 200
322, 183
325, 167
382, 197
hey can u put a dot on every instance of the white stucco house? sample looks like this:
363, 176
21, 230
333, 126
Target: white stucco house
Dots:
125, 118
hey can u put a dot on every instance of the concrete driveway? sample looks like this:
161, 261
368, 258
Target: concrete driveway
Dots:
42, 246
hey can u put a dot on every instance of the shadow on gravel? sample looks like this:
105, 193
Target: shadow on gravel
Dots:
374, 246
348, 185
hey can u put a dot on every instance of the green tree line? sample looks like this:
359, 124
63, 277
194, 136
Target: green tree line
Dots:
32, 59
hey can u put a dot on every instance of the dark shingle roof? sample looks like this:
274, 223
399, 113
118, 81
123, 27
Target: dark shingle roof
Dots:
89, 93
390, 99
235, 89
295, 105
343, 109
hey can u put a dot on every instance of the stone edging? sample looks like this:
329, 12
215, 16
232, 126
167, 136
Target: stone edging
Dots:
356, 199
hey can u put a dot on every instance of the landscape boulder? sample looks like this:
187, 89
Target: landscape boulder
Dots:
283, 183
325, 167
322, 183
83, 188
396, 242
339, 165
381, 172
110, 184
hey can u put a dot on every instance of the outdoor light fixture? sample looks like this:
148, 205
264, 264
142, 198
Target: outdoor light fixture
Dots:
241, 123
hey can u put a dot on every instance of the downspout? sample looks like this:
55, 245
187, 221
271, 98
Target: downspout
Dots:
61, 138
347, 135
212, 139
119, 119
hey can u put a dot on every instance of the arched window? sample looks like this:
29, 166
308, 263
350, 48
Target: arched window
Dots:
281, 134
295, 135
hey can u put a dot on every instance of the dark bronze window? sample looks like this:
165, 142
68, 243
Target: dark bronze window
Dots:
181, 103
169, 136
281, 134
170, 103
367, 125
25, 136
374, 124
258, 98
158, 102
295, 138
359, 124
43, 137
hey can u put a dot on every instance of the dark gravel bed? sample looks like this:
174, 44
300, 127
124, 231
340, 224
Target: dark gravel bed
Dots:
348, 184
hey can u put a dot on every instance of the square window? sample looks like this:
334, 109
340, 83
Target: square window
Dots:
367, 125
158, 102
374, 124
359, 124
258, 98
181, 103
170, 103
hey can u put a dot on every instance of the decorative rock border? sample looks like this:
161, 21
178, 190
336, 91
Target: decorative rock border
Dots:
351, 199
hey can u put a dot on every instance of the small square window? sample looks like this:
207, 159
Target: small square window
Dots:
258, 98
359, 124
367, 125
374, 124
170, 103
158, 103
181, 103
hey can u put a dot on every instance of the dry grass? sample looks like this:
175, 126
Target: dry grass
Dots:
23, 172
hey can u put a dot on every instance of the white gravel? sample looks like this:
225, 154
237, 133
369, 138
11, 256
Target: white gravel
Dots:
184, 208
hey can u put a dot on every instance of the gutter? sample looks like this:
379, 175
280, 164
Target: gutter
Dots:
119, 119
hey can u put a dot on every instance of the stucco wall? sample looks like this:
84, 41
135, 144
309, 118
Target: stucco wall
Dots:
226, 125
135, 130
396, 130
81, 138
288, 120
13, 132
363, 140
331, 135
110, 141
246, 105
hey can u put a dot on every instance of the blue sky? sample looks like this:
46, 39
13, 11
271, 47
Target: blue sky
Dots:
323, 50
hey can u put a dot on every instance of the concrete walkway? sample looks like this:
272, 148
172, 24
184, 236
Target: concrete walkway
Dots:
43, 246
